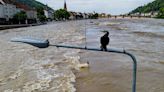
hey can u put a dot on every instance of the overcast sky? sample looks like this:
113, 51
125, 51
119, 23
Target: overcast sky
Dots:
100, 6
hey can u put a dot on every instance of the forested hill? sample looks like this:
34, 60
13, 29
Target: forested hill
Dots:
32, 3
153, 6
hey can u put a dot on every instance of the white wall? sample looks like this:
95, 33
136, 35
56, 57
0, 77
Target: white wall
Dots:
2, 11
2, 2
9, 10
31, 14
48, 14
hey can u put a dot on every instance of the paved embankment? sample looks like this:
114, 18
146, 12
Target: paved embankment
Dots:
3, 27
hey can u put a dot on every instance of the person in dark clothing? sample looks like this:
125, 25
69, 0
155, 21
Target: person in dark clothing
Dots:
104, 41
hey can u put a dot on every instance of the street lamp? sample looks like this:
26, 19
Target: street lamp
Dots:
45, 44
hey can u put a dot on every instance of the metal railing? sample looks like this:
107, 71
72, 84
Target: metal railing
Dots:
45, 44
113, 51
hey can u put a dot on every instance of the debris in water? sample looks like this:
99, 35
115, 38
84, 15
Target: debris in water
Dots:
84, 65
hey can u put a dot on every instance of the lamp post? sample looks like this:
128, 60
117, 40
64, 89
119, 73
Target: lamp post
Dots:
45, 44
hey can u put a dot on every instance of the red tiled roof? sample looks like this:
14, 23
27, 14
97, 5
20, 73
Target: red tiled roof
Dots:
8, 1
18, 5
22, 6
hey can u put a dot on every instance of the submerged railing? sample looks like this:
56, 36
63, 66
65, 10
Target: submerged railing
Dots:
113, 51
45, 44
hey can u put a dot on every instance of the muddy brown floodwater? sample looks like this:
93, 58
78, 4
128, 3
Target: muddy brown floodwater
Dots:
24, 68
109, 72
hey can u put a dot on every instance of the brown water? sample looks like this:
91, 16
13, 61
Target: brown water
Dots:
110, 72
24, 68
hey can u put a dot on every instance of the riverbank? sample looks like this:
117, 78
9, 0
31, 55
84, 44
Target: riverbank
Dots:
3, 27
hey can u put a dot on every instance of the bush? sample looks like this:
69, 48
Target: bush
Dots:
21, 17
61, 14
94, 16
40, 14
161, 13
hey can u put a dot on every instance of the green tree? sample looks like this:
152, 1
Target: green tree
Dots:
40, 14
94, 16
21, 16
161, 13
150, 7
61, 14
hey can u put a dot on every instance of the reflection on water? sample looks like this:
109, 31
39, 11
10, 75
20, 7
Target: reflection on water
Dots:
112, 73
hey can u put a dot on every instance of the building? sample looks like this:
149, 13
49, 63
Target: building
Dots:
49, 13
154, 14
85, 16
7, 9
2, 17
1, 11
102, 15
31, 13
2, 2
65, 5
72, 15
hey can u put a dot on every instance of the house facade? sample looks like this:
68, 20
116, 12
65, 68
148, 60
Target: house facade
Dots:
48, 14
1, 11
8, 9
149, 14
31, 13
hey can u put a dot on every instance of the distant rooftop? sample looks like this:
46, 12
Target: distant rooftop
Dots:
2, 2
18, 5
7, 1
22, 6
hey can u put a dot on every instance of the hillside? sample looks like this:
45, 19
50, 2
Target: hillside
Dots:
32, 3
153, 6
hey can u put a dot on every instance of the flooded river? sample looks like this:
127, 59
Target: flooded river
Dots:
111, 72
24, 68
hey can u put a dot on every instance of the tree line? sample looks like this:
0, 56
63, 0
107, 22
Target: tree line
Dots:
59, 15
155, 6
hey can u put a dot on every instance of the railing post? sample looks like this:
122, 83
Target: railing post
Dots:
113, 51
134, 71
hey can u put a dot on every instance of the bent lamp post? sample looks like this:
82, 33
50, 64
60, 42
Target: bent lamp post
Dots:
45, 44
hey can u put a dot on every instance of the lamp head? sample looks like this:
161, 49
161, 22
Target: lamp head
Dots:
33, 41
